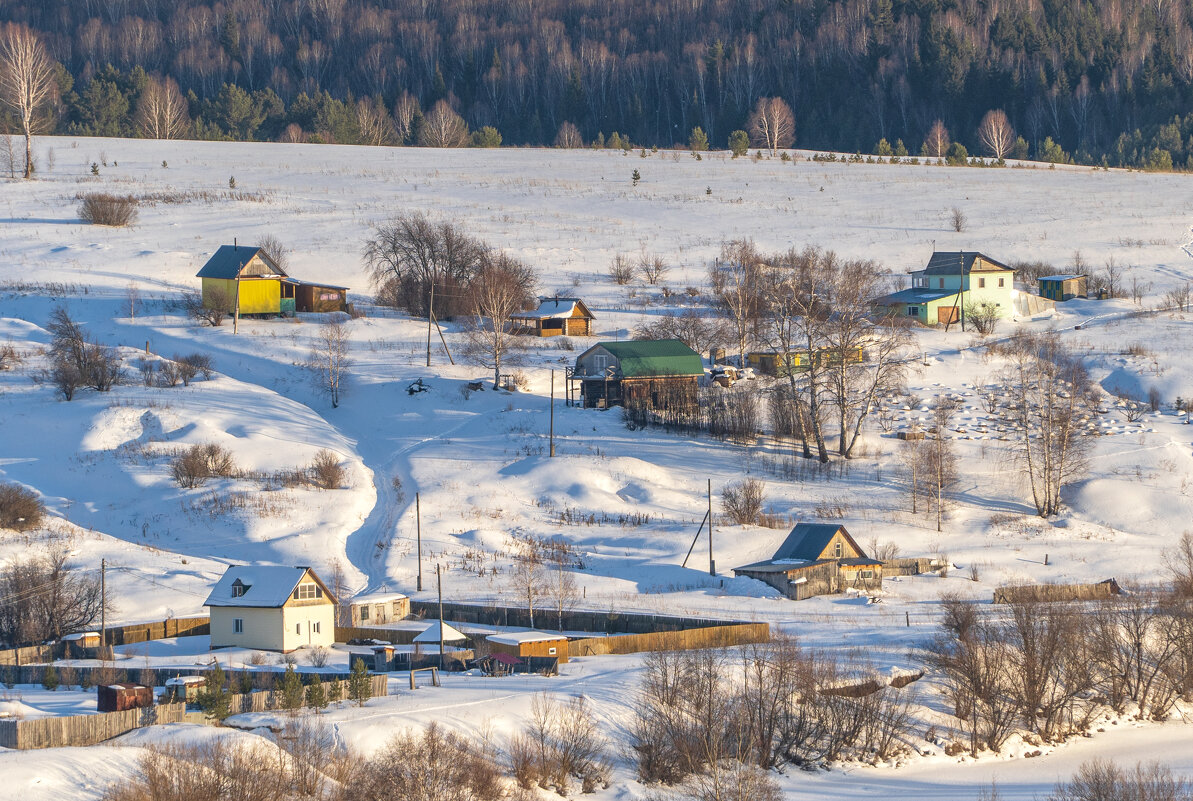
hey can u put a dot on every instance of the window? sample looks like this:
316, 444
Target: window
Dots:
837, 550
550, 652
238, 589
913, 311
866, 574
981, 283
307, 592
940, 283
364, 612
298, 628
315, 627
238, 625
600, 362
1000, 281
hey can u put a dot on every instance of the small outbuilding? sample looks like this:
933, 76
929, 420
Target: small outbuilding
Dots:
185, 688
82, 639
1064, 287
121, 696
271, 608
555, 317
246, 278
660, 373
377, 609
817, 559
529, 643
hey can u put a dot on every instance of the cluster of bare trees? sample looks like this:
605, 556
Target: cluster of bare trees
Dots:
77, 361
1052, 668
930, 465
715, 718
562, 743
543, 576
1049, 397
1102, 780
43, 596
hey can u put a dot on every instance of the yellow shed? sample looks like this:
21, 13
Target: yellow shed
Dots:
251, 272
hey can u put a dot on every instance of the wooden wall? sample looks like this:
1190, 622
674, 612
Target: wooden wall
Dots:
82, 730
686, 640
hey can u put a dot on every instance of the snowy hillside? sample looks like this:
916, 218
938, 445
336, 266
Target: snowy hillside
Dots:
629, 501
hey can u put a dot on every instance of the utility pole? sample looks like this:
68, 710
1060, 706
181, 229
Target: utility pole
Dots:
418, 528
103, 603
712, 565
430, 315
552, 412
439, 582
236, 305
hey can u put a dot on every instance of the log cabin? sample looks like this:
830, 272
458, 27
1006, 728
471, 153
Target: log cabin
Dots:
555, 317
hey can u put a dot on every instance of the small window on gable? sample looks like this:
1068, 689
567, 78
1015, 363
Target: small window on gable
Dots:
600, 361
838, 550
238, 589
307, 592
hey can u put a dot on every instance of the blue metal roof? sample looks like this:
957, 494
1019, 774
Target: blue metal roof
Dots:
230, 260
915, 295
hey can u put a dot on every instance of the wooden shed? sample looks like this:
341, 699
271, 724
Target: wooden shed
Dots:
1064, 287
310, 296
817, 559
377, 609
122, 696
82, 639
525, 644
248, 274
555, 317
185, 688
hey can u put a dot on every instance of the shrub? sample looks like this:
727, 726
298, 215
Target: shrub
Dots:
318, 656
20, 508
100, 208
742, 502
621, 269
9, 357
198, 363
213, 311
432, 765
49, 678
326, 471
200, 462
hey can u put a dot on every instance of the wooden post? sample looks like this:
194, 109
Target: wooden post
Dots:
430, 314
712, 564
439, 582
552, 412
1045, 560
907, 617
147, 347
103, 604
418, 528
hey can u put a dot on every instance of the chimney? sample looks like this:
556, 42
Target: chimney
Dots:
234, 245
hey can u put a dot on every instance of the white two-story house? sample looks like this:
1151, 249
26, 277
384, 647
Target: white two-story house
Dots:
953, 280
271, 609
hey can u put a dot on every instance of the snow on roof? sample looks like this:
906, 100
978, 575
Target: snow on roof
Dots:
550, 307
378, 598
519, 637
265, 586
1062, 277
80, 635
431, 634
183, 681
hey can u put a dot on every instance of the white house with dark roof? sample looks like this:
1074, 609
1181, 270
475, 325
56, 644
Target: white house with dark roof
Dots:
271, 608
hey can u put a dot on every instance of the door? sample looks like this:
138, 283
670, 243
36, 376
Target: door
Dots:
947, 314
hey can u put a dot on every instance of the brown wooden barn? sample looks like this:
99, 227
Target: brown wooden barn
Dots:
525, 644
657, 372
555, 317
122, 696
817, 559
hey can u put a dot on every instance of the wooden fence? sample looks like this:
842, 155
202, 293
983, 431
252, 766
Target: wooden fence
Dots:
910, 566
607, 622
267, 700
116, 635
1056, 593
689, 639
81, 730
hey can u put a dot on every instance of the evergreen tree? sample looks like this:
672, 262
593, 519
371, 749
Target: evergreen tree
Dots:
487, 136
316, 698
213, 698
291, 690
360, 687
739, 143
698, 141
49, 678
335, 690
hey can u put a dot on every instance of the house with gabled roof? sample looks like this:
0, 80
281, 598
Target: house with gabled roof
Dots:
940, 292
271, 608
246, 276
555, 317
659, 373
817, 559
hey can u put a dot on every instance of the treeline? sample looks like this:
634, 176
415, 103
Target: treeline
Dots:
1095, 82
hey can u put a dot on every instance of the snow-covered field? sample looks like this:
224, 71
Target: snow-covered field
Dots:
479, 463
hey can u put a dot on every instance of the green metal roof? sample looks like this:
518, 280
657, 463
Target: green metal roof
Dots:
653, 357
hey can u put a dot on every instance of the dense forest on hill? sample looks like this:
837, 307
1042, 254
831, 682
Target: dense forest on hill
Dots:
1109, 81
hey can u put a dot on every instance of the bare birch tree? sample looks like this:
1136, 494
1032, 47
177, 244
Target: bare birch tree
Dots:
1048, 389
941, 461
162, 110
376, 128
502, 287
772, 125
936, 144
26, 82
443, 127
996, 133
737, 282
330, 363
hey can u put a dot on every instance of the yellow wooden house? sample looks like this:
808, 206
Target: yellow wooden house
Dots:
263, 286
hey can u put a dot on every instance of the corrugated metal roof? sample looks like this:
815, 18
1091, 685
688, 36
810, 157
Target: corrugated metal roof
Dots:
957, 262
653, 357
550, 307
267, 586
229, 260
1061, 277
914, 295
